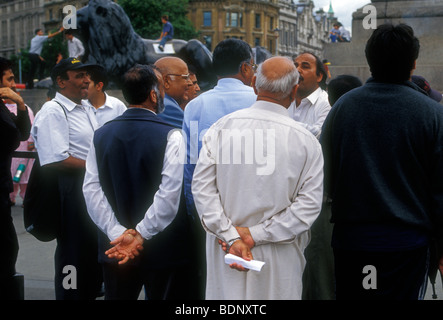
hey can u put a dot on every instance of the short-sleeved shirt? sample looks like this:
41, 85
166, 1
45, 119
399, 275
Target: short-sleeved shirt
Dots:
58, 136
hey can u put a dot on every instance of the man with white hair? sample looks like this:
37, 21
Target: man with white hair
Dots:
263, 203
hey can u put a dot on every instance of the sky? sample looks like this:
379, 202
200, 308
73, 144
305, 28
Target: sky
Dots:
343, 9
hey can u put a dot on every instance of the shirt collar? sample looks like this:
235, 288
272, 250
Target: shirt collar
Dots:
106, 104
313, 97
270, 106
67, 103
232, 84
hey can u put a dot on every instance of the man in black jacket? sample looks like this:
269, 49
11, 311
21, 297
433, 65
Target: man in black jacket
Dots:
13, 129
383, 149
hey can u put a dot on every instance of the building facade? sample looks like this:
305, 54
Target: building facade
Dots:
283, 27
20, 18
255, 22
18, 21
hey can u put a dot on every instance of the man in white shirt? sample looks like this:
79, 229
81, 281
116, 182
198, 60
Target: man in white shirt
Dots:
75, 46
311, 106
243, 202
35, 51
132, 187
103, 106
63, 132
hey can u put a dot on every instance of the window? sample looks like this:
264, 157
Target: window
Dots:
257, 21
257, 42
234, 19
271, 23
207, 18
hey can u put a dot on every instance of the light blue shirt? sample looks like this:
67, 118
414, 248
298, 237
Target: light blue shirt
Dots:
228, 95
37, 44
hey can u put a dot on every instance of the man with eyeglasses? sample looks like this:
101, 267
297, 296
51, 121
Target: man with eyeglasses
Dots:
233, 64
177, 81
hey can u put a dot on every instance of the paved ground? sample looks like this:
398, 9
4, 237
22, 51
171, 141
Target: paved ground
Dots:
36, 263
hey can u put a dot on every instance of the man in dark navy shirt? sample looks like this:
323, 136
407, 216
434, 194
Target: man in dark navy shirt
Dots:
383, 149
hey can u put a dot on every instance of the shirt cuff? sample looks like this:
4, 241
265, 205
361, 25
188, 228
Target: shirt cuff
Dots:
229, 234
258, 234
116, 232
143, 231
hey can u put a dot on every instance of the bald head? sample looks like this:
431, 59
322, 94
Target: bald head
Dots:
276, 68
276, 79
176, 78
169, 65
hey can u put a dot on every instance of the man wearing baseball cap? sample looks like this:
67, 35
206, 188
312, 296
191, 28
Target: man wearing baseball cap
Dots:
63, 133
424, 85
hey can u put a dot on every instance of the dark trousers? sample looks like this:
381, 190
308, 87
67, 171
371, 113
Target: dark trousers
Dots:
9, 243
124, 282
36, 65
77, 271
388, 275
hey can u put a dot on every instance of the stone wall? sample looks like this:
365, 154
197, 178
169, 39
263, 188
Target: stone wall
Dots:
424, 16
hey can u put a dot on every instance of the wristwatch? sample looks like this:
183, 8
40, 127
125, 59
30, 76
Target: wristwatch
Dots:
230, 243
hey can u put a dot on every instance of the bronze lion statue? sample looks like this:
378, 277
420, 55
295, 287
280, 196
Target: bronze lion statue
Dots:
110, 41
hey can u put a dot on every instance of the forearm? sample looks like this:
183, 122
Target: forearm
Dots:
69, 163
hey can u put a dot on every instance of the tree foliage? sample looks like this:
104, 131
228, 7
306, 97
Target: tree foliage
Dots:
145, 16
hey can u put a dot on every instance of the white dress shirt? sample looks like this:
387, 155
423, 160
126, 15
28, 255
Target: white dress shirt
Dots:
58, 136
275, 190
312, 111
112, 108
166, 200
75, 48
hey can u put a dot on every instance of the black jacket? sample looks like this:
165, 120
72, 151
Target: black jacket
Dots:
13, 129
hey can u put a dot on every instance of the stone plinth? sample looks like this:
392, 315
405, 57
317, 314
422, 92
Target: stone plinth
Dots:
424, 16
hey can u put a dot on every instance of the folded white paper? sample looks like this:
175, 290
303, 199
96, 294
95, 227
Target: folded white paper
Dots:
252, 265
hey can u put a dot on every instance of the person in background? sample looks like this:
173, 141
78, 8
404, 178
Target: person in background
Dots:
424, 85
193, 89
311, 106
75, 46
341, 85
13, 129
103, 106
35, 51
167, 32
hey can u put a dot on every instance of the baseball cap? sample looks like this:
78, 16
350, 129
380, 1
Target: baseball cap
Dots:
68, 64
423, 84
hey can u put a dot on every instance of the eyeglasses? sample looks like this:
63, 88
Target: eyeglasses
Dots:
184, 76
253, 65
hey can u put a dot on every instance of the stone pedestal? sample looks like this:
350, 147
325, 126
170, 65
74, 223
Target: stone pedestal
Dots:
424, 16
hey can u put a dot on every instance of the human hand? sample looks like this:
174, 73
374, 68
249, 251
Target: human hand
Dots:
244, 234
240, 249
126, 247
7, 93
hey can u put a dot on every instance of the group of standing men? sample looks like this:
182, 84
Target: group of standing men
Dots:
151, 190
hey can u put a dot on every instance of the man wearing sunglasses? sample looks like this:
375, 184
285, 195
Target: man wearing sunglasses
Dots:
177, 81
